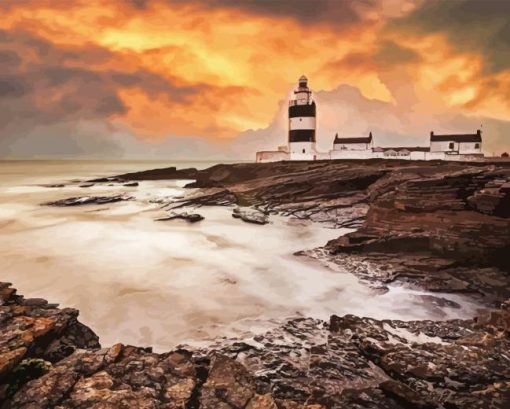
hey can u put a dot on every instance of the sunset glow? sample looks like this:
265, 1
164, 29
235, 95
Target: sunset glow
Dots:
213, 70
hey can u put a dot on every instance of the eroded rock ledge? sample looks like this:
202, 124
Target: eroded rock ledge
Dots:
49, 360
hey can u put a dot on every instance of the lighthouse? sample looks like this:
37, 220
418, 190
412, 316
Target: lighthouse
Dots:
302, 123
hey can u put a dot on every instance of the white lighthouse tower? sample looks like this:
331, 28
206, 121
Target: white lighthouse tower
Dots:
302, 124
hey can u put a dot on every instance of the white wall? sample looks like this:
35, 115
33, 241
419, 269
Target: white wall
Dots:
348, 154
436, 156
271, 156
443, 146
296, 151
307, 122
470, 147
350, 146
416, 155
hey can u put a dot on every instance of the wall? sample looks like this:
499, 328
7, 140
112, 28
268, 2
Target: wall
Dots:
468, 158
469, 147
271, 156
350, 147
350, 154
436, 156
418, 155
307, 122
296, 151
443, 146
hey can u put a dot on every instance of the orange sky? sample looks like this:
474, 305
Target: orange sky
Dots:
214, 69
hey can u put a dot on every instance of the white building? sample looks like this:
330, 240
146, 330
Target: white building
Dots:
457, 144
352, 148
302, 134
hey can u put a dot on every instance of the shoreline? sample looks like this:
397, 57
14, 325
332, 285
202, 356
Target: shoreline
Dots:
442, 228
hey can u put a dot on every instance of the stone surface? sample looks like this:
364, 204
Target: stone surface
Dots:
49, 360
190, 217
88, 200
250, 215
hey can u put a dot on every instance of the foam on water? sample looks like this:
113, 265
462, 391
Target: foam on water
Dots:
162, 283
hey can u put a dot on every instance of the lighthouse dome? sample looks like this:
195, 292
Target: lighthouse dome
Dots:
303, 78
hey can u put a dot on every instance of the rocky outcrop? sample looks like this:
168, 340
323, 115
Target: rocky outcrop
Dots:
154, 174
348, 362
250, 215
188, 216
442, 226
88, 200
448, 232
34, 329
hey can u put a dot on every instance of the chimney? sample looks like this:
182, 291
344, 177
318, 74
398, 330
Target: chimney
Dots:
478, 132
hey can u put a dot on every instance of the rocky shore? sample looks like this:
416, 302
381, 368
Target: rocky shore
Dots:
438, 226
48, 359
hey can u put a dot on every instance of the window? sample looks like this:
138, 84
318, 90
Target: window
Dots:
477, 146
451, 145
303, 151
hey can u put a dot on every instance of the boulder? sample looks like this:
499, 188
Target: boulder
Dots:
250, 215
189, 217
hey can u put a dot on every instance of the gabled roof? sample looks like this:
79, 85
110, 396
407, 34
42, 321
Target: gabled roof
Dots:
475, 137
367, 139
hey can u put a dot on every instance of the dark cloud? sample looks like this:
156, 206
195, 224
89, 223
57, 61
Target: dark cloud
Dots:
9, 58
390, 54
481, 26
336, 13
48, 92
12, 87
154, 84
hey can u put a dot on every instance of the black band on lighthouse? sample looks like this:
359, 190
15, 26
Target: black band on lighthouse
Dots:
302, 135
302, 110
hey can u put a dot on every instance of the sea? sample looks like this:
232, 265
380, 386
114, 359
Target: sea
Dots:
162, 284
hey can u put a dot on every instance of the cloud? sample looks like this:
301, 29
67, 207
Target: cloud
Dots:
153, 74
338, 14
480, 26
345, 110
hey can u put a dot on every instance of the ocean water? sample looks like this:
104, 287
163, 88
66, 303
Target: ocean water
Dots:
161, 284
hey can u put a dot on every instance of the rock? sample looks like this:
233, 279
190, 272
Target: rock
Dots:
228, 385
38, 302
88, 200
404, 394
54, 185
130, 184
352, 362
171, 173
190, 217
86, 185
250, 216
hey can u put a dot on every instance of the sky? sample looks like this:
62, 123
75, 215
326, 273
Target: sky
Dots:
210, 79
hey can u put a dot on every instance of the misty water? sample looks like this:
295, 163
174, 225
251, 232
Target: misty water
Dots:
164, 283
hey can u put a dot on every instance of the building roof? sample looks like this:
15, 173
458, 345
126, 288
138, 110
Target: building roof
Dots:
367, 139
402, 148
475, 137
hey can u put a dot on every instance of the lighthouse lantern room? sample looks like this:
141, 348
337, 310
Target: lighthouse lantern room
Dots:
302, 123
